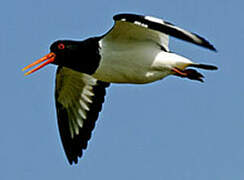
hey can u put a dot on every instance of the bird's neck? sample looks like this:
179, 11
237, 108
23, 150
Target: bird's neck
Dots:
86, 57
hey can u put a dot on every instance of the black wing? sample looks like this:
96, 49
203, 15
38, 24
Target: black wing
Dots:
131, 26
79, 99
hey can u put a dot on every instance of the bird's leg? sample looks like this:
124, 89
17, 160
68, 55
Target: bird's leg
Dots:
188, 73
179, 72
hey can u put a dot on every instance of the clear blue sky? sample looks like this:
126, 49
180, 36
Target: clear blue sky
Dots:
172, 129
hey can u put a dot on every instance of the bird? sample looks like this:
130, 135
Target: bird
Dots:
134, 51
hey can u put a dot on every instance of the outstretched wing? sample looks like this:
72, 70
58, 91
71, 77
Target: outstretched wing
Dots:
136, 27
79, 99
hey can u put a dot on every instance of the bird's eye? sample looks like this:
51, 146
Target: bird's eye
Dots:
61, 46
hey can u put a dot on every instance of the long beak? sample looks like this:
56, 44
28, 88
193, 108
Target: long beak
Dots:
49, 57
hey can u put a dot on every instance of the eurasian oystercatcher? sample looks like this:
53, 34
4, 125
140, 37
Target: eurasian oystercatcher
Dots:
135, 50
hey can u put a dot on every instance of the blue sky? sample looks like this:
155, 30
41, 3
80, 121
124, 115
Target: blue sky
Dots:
171, 129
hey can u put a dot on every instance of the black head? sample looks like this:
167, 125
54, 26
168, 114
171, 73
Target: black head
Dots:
82, 56
64, 50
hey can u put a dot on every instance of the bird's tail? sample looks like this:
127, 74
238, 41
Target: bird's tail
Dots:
204, 66
192, 73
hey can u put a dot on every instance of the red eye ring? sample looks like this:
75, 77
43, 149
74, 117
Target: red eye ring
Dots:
61, 46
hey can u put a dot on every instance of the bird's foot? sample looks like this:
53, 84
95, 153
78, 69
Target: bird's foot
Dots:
188, 73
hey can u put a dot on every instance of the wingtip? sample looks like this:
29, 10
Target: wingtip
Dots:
208, 45
73, 161
213, 48
200, 80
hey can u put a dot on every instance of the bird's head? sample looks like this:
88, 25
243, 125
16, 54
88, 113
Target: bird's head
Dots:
60, 51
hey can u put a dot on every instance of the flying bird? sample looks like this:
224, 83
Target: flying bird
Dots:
135, 50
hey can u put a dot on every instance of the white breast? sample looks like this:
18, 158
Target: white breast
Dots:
131, 62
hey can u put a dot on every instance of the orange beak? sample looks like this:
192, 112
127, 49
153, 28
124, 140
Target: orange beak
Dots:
48, 59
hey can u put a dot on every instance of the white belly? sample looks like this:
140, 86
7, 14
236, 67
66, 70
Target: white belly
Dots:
130, 63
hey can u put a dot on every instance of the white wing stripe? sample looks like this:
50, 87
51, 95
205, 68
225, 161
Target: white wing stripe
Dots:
76, 127
75, 95
82, 113
84, 105
71, 129
79, 99
80, 122
189, 34
87, 92
153, 19
154, 26
86, 98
